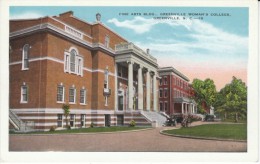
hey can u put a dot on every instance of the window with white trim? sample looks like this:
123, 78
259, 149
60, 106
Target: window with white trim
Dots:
72, 95
161, 106
59, 120
73, 62
107, 39
160, 82
60, 93
83, 96
82, 120
165, 106
161, 93
106, 79
106, 101
165, 80
72, 120
25, 60
165, 92
24, 93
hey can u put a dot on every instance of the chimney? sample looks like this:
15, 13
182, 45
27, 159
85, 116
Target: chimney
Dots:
66, 14
148, 51
98, 17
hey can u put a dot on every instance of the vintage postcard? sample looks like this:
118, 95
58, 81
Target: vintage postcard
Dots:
126, 80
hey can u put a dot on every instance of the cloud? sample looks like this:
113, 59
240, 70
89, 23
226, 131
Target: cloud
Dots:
203, 41
196, 48
26, 15
141, 25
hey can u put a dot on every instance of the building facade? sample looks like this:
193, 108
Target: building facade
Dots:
175, 92
58, 60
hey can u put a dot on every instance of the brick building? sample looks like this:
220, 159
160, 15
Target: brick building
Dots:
175, 92
65, 60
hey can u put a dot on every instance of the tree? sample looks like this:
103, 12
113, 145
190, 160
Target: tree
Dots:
233, 99
205, 93
66, 112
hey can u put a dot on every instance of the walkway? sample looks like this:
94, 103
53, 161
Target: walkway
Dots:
140, 141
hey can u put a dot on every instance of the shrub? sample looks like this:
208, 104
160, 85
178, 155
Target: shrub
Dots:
132, 123
68, 127
92, 124
52, 129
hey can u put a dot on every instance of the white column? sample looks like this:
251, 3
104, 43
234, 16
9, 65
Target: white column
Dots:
155, 104
130, 85
148, 90
140, 88
116, 70
182, 110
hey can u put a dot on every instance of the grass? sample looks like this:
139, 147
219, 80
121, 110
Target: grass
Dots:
221, 131
86, 130
233, 121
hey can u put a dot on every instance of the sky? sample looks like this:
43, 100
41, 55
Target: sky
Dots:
200, 42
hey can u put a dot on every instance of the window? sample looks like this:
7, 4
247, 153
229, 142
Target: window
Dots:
73, 62
106, 88
24, 93
174, 81
79, 69
107, 41
165, 80
106, 101
83, 96
165, 92
25, 60
161, 106
60, 93
165, 106
82, 120
59, 121
160, 82
119, 71
72, 120
161, 93
106, 79
72, 95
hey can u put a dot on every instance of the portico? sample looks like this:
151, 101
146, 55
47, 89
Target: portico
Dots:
137, 75
188, 106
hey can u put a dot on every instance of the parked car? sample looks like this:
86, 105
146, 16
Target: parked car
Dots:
209, 117
170, 122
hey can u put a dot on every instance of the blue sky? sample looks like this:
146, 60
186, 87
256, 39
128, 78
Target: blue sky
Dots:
199, 48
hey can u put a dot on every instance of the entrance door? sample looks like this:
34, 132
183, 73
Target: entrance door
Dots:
120, 102
120, 120
107, 120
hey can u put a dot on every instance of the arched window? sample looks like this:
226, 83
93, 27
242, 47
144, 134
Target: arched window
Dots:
73, 54
25, 60
73, 62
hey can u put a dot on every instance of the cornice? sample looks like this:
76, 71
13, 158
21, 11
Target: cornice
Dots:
51, 28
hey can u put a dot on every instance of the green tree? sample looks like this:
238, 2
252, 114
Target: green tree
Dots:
66, 112
232, 99
205, 93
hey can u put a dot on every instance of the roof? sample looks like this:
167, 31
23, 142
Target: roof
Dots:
171, 69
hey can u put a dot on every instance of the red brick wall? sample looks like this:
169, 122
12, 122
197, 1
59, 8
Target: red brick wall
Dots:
99, 32
56, 74
32, 77
100, 62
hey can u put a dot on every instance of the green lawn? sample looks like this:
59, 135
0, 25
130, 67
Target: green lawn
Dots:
87, 130
223, 131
